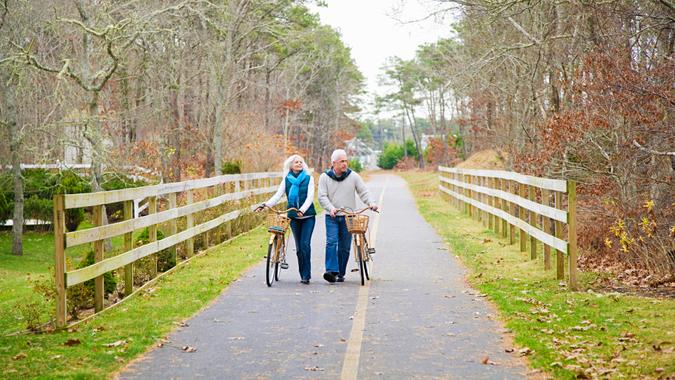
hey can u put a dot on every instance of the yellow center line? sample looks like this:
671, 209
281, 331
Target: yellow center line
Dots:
350, 366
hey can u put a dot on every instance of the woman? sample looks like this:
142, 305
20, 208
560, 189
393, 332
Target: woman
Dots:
298, 185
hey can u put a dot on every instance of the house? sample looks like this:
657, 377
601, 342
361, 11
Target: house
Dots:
359, 150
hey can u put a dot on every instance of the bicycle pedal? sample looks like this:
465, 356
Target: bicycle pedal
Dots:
371, 251
284, 265
355, 270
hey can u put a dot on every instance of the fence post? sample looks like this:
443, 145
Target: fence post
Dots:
572, 232
504, 206
128, 246
152, 233
533, 222
546, 200
173, 226
467, 179
521, 216
559, 263
513, 189
98, 216
60, 259
189, 223
493, 220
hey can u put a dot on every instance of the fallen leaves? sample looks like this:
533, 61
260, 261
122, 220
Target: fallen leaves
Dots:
116, 343
19, 356
72, 342
188, 349
486, 361
314, 369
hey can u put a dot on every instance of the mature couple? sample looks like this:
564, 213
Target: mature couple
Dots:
337, 187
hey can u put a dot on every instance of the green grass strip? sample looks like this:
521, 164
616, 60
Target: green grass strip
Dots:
584, 334
103, 345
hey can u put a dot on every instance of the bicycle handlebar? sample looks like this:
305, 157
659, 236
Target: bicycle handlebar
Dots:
343, 210
264, 206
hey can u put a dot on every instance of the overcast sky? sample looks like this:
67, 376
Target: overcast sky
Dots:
374, 31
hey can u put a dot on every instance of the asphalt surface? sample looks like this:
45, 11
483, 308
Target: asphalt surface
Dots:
420, 318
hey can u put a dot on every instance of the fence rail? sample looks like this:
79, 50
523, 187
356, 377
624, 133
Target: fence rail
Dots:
234, 196
511, 203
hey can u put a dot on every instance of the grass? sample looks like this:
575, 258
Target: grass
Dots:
105, 344
567, 334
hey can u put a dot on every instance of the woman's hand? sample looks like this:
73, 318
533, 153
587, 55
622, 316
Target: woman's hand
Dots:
260, 208
300, 214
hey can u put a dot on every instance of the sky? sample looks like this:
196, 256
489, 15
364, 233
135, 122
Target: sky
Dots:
378, 29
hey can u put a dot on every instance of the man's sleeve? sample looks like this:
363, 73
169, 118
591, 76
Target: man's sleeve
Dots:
362, 191
323, 193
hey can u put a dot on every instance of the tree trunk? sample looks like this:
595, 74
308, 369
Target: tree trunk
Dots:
15, 144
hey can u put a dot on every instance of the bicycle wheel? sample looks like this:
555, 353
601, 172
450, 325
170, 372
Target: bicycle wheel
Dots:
282, 255
363, 265
272, 267
366, 260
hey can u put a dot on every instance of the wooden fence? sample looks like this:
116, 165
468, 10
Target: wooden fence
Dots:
167, 204
508, 202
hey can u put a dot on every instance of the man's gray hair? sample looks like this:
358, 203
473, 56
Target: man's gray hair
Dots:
337, 153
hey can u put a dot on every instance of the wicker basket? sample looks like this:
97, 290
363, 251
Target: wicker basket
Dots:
357, 223
277, 224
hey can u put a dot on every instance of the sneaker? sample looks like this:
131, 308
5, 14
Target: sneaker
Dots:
341, 279
329, 276
306, 282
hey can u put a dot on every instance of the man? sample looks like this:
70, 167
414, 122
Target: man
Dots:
336, 190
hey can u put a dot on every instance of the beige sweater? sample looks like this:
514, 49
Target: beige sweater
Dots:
338, 194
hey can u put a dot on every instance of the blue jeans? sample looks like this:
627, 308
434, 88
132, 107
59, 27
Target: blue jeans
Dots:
338, 243
302, 233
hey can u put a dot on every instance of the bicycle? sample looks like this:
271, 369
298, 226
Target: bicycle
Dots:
277, 225
357, 225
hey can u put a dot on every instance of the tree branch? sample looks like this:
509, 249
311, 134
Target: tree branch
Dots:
651, 151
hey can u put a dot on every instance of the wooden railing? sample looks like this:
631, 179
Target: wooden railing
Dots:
507, 201
235, 194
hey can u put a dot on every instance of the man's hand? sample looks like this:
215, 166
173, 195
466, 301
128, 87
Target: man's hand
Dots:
374, 207
332, 212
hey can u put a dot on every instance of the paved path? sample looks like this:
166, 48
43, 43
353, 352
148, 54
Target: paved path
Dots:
416, 319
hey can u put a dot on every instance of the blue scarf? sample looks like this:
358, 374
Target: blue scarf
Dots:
295, 187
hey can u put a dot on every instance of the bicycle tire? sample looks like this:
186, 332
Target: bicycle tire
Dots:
363, 266
272, 263
276, 268
366, 256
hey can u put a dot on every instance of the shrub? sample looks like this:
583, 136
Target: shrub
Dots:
355, 165
69, 182
38, 208
116, 181
165, 257
109, 280
231, 167
390, 156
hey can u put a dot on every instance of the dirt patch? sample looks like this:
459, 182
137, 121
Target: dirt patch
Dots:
485, 159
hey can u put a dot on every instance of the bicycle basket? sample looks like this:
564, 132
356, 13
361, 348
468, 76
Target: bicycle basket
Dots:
277, 224
357, 223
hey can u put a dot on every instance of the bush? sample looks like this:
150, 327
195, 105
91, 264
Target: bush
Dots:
231, 167
355, 165
109, 280
116, 181
165, 257
390, 156
38, 208
69, 182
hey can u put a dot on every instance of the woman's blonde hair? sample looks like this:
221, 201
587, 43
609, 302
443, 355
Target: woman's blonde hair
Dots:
289, 162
